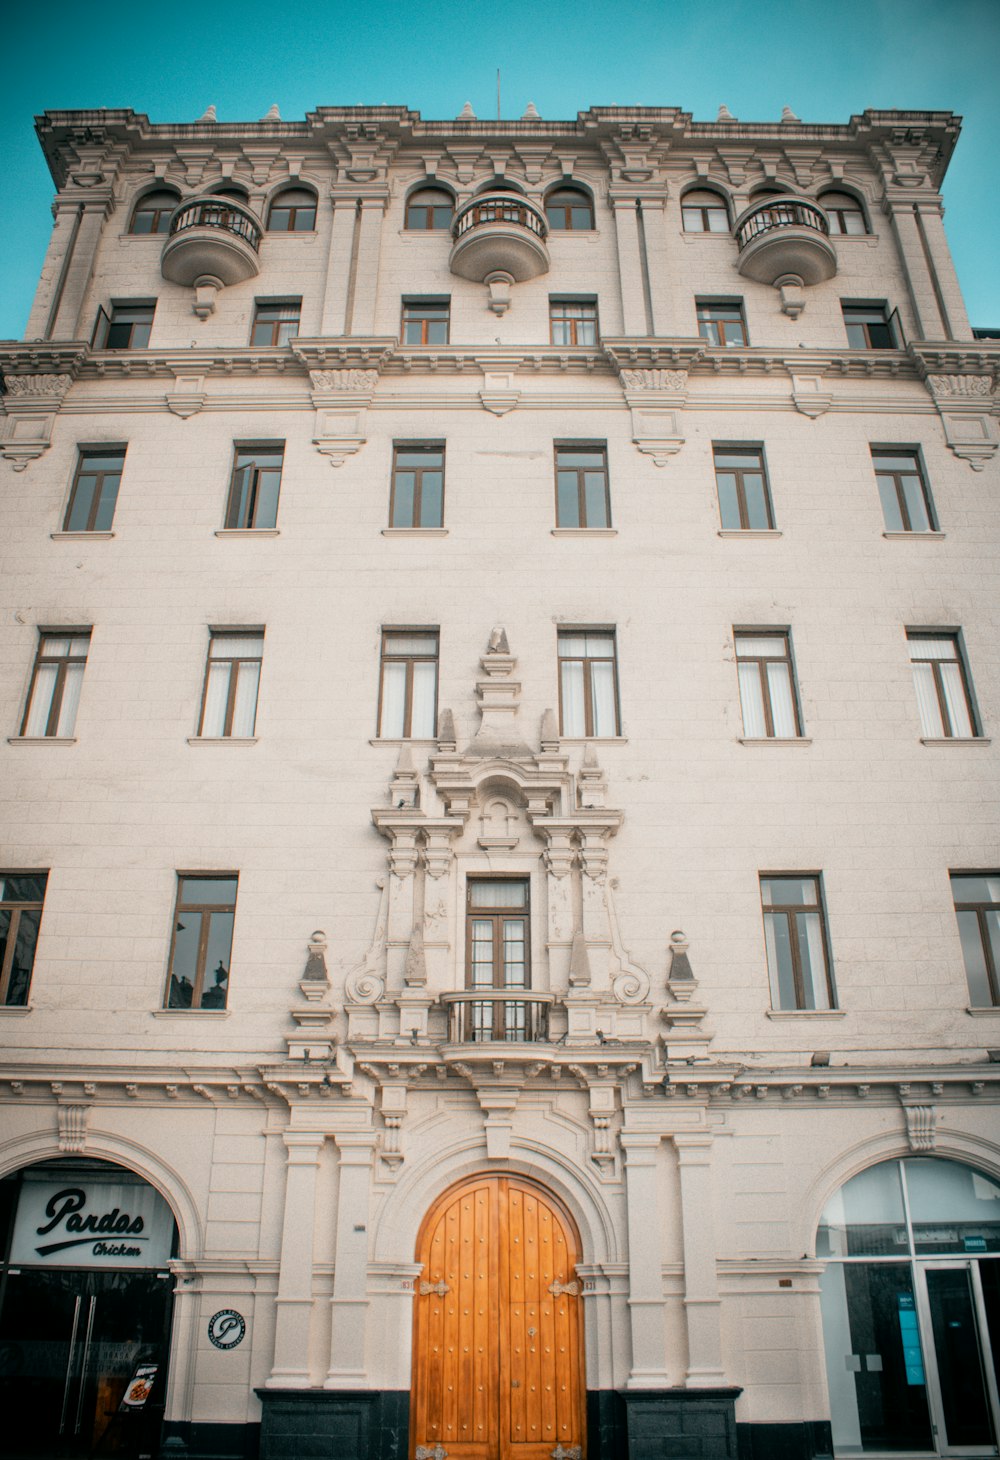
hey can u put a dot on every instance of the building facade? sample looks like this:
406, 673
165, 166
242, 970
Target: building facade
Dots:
500, 878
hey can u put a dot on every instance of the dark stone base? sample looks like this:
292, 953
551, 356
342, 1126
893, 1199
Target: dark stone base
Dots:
192, 1441
334, 1424
681, 1424
809, 1440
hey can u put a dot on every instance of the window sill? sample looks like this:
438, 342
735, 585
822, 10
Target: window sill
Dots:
184, 1013
911, 536
589, 739
247, 531
806, 1013
222, 740
414, 532
584, 531
41, 739
80, 536
14, 1011
405, 740
775, 740
749, 532
978, 1011
955, 740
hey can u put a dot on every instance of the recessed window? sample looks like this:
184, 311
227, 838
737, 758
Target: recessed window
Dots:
704, 211
942, 685
429, 208
844, 212
408, 684
232, 678
293, 210
255, 484
127, 327
569, 209
21, 898
497, 958
869, 327
417, 497
902, 489
202, 943
744, 495
588, 683
721, 322
573, 321
977, 907
767, 684
56, 682
95, 490
582, 493
152, 212
425, 321
798, 961
275, 321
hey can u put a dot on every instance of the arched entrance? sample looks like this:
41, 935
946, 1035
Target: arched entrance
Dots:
85, 1309
498, 1368
911, 1309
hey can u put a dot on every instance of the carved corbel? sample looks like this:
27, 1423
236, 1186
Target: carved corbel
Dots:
31, 404
72, 1120
393, 1115
187, 395
655, 398
498, 393
559, 851
921, 1123
967, 405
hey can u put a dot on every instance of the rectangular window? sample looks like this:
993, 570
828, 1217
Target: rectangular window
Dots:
573, 321
497, 957
127, 327
56, 682
744, 495
906, 503
95, 490
721, 322
408, 689
275, 321
202, 942
869, 327
942, 685
417, 497
767, 684
582, 493
256, 481
798, 961
232, 677
425, 321
977, 907
588, 683
21, 898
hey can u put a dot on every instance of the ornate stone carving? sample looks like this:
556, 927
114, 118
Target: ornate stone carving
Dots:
366, 983
361, 381
948, 386
28, 387
72, 1127
629, 984
654, 379
921, 1121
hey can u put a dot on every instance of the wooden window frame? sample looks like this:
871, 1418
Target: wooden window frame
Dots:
16, 907
851, 313
85, 453
293, 210
241, 449
789, 911
784, 637
413, 632
63, 662
234, 661
917, 470
159, 215
914, 636
106, 322
704, 209
567, 209
735, 308
985, 941
415, 448
412, 315
597, 448
589, 732
260, 308
574, 321
429, 209
840, 214
206, 910
721, 449
497, 993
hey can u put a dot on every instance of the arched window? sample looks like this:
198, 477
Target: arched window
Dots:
704, 211
152, 212
569, 209
293, 211
429, 208
844, 212
768, 190
238, 195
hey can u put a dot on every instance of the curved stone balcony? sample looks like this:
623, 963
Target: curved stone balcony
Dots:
499, 233
498, 1016
782, 237
211, 239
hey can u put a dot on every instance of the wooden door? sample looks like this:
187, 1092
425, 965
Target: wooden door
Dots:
497, 1346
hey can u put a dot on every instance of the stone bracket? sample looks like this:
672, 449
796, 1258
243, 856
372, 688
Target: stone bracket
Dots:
31, 404
967, 405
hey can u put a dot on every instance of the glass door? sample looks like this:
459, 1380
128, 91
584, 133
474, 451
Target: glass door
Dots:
962, 1374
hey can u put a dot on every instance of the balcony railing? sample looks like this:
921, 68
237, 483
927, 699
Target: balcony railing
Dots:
499, 208
491, 1016
785, 241
779, 213
217, 213
499, 234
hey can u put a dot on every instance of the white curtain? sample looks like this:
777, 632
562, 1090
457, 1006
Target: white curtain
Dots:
573, 721
813, 957
41, 699
213, 721
927, 701
954, 695
245, 708
779, 683
752, 701
422, 716
602, 680
393, 700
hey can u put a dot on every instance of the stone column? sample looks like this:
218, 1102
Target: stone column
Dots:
338, 267
293, 1304
629, 264
349, 1304
701, 1288
645, 1261
68, 268
362, 321
654, 222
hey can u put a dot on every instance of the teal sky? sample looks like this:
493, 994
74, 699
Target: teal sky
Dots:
826, 61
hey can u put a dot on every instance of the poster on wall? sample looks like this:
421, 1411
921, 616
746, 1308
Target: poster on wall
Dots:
91, 1221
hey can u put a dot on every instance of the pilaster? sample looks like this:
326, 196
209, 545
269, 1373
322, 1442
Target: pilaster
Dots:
349, 1303
701, 1288
645, 1298
293, 1304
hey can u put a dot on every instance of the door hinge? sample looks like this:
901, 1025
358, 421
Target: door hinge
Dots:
439, 1289
568, 1290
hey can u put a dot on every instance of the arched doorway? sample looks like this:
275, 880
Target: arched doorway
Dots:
498, 1368
911, 1309
85, 1307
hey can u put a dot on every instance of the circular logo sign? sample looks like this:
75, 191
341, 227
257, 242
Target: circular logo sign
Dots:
226, 1328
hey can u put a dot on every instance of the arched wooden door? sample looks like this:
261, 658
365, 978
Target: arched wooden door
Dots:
498, 1327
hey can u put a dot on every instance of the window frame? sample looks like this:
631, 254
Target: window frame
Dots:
63, 663
260, 306
721, 206
431, 302
422, 631
234, 498
429, 225
991, 963
890, 321
739, 448
106, 322
416, 448
256, 634
736, 307
585, 201
946, 730
84, 453
579, 447
292, 209
566, 631
839, 213
788, 910
499, 996
784, 635
557, 302
197, 1004
160, 215
913, 452
17, 907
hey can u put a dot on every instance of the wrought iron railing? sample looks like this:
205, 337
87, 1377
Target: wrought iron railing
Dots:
499, 208
775, 213
508, 1016
221, 213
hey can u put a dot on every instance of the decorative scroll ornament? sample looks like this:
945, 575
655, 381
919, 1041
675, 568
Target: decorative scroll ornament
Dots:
654, 379
565, 1290
366, 983
629, 984
438, 1289
22, 387
977, 386
361, 381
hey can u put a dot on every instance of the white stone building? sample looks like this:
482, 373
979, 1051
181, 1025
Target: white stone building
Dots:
441, 560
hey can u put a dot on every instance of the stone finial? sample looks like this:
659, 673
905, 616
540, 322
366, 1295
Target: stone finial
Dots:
415, 967
208, 115
531, 113
315, 969
404, 788
447, 736
592, 786
725, 115
467, 114
498, 641
787, 115
549, 738
272, 114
